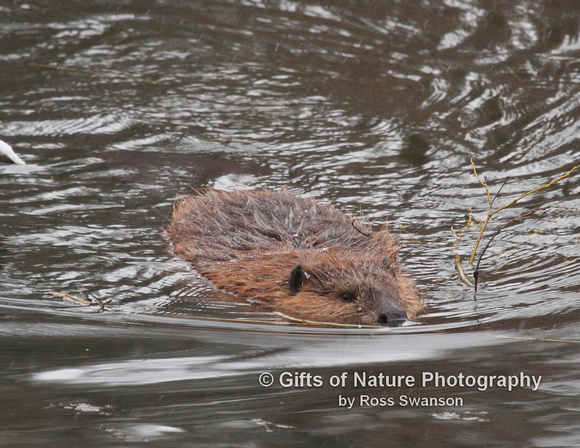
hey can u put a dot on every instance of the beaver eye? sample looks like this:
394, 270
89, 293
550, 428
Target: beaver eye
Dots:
347, 296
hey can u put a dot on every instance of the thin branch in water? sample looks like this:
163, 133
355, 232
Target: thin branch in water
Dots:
553, 181
490, 202
462, 276
511, 221
500, 188
491, 212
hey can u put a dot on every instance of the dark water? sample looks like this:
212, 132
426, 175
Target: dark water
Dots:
118, 106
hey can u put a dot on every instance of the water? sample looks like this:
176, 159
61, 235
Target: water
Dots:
118, 107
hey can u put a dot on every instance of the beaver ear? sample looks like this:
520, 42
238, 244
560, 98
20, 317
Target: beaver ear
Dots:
297, 279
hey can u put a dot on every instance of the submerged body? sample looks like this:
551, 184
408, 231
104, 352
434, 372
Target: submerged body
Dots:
300, 257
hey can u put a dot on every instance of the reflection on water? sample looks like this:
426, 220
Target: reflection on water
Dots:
312, 352
117, 107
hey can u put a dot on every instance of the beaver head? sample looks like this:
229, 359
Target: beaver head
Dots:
348, 288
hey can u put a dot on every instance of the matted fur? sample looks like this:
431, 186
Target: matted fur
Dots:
294, 254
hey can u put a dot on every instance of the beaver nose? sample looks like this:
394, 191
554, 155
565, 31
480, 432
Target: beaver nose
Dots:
393, 318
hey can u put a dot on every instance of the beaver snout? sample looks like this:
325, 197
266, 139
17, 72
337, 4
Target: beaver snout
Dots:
394, 317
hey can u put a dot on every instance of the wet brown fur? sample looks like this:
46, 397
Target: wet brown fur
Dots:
298, 256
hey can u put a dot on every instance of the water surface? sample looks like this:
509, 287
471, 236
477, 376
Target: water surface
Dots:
118, 107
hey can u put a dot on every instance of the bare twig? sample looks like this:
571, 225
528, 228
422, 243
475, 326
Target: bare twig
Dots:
491, 212
553, 181
458, 265
462, 275
99, 306
511, 221
500, 188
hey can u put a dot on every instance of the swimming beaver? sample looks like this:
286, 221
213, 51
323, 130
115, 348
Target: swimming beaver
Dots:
300, 257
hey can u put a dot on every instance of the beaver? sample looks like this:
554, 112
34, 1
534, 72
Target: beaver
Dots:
302, 258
